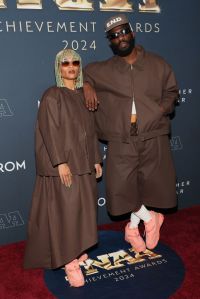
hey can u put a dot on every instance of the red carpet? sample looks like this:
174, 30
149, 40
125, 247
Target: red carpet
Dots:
180, 231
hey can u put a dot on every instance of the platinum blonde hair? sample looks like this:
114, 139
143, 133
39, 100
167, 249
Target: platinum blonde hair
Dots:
62, 56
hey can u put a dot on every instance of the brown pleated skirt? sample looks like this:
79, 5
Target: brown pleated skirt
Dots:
62, 222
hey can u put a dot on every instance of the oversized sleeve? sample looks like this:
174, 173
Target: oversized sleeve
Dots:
88, 74
170, 91
98, 158
97, 153
51, 127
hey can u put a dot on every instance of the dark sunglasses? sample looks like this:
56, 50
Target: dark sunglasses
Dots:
123, 31
67, 63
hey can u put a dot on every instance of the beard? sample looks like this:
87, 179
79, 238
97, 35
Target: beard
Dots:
123, 51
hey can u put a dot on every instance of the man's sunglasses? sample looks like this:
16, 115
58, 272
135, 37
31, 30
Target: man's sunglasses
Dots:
115, 35
68, 63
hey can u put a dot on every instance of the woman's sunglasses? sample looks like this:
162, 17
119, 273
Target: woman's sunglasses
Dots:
68, 63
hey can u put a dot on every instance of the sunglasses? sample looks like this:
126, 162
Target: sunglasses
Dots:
68, 63
115, 35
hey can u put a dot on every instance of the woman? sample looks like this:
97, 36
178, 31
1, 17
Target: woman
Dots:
62, 222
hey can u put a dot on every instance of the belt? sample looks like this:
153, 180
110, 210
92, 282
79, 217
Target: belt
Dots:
134, 129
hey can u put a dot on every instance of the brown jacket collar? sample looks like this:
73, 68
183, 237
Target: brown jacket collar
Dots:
124, 66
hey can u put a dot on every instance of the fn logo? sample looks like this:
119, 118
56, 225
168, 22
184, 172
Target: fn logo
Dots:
175, 143
10, 220
4, 108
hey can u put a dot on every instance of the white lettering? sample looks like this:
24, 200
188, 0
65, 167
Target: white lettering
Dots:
113, 21
157, 29
148, 27
138, 27
101, 201
20, 26
22, 165
10, 26
11, 166
72, 25
61, 26
49, 26
1, 167
85, 28
28, 26
39, 27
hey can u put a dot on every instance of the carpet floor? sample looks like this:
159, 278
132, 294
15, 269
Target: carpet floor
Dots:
181, 231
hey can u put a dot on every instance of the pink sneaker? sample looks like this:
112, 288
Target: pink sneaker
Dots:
152, 229
132, 236
74, 274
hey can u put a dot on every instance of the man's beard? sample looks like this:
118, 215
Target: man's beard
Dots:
126, 51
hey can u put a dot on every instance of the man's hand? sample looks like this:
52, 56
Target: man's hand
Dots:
90, 97
65, 174
98, 170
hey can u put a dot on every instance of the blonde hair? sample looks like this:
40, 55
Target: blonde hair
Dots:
61, 56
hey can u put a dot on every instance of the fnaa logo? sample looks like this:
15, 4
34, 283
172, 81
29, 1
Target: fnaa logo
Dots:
175, 143
5, 108
104, 5
114, 270
118, 259
10, 220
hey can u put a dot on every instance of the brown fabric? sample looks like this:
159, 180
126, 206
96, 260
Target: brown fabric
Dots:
141, 172
62, 222
65, 133
150, 80
139, 169
134, 129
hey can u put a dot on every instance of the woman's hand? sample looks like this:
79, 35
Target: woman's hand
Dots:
99, 170
65, 174
90, 97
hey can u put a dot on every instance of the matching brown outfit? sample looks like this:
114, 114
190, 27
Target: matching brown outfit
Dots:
139, 166
62, 222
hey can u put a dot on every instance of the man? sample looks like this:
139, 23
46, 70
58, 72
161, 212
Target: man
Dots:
135, 93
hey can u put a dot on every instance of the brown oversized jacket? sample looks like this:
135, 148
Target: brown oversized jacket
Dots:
150, 80
65, 133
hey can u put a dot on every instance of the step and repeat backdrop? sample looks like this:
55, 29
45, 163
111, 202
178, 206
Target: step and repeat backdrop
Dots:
32, 32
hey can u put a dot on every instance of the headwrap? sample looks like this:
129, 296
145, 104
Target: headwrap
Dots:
65, 55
